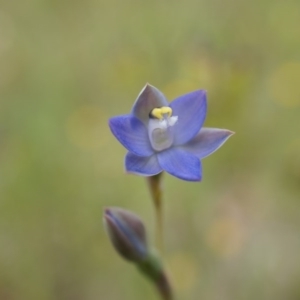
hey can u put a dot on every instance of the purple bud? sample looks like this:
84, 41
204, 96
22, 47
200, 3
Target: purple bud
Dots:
127, 233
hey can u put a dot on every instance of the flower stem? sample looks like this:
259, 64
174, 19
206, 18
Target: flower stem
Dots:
152, 268
154, 183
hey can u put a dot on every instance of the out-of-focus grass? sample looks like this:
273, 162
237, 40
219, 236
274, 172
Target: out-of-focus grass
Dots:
67, 66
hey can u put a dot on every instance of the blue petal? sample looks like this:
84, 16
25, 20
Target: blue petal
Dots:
149, 98
145, 166
132, 134
191, 112
207, 141
181, 164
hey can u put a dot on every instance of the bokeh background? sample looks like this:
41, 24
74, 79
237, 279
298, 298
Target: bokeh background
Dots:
67, 66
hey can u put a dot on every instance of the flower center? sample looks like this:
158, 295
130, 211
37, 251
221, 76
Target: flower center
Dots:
159, 128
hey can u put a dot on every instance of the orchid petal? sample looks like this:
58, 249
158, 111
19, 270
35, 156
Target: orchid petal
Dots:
145, 166
181, 164
148, 99
191, 111
132, 134
207, 141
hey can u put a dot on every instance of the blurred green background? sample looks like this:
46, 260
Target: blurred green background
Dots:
67, 66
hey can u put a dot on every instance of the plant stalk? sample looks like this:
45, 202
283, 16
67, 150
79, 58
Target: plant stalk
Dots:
154, 183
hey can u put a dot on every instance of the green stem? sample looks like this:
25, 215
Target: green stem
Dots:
154, 183
153, 269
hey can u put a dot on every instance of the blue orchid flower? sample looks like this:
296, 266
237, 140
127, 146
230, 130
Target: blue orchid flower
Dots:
162, 136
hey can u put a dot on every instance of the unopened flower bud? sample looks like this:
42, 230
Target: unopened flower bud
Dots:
127, 233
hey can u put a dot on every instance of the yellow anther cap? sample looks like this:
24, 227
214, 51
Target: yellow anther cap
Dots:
160, 112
